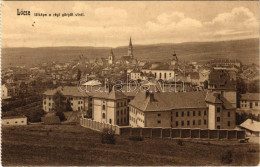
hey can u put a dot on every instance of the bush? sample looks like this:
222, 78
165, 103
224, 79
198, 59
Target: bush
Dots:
61, 116
227, 158
108, 136
136, 138
180, 142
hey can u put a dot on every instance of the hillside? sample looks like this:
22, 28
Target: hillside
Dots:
246, 51
73, 145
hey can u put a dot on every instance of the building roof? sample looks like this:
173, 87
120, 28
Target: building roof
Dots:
67, 91
251, 125
165, 101
14, 117
251, 96
112, 95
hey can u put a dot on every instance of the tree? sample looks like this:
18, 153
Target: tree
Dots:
59, 102
206, 83
78, 75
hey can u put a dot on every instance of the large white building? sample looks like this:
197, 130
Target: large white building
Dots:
206, 110
79, 101
111, 107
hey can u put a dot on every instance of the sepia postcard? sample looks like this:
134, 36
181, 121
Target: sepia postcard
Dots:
130, 83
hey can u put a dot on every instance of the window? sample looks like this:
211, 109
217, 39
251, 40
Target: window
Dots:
218, 119
78, 102
188, 123
110, 121
194, 122
218, 127
124, 119
228, 123
251, 105
256, 103
182, 123
176, 114
78, 108
44, 102
49, 104
103, 115
103, 107
188, 113
205, 122
228, 114
205, 112
177, 123
117, 113
182, 114
16, 122
164, 75
71, 104
218, 109
159, 115
159, 121
7, 122
117, 121
199, 122
199, 113
194, 113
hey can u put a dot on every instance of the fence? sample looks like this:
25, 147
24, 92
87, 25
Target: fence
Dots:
165, 132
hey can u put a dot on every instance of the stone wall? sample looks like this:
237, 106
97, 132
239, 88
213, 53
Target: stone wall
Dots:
165, 132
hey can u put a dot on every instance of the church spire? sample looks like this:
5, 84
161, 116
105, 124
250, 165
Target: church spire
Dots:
130, 48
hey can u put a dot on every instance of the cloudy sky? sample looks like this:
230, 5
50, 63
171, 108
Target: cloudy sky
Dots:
112, 23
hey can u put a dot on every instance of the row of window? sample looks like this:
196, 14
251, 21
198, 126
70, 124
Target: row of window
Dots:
15, 122
188, 123
122, 112
134, 111
135, 120
120, 104
188, 113
165, 75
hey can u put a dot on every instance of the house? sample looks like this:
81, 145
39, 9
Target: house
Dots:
80, 101
250, 104
181, 110
252, 127
14, 120
161, 71
8, 91
111, 107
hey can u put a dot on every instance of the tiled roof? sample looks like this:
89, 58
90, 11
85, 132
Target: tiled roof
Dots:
112, 95
250, 96
251, 125
212, 98
166, 101
67, 91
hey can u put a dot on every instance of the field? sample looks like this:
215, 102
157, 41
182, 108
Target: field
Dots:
75, 145
246, 51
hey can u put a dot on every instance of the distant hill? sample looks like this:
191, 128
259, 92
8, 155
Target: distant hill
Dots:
246, 51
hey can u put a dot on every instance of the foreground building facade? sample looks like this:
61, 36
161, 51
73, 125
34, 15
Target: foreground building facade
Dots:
181, 110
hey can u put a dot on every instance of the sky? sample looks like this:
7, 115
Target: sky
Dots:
111, 23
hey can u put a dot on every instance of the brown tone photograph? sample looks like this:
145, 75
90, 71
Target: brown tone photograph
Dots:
130, 83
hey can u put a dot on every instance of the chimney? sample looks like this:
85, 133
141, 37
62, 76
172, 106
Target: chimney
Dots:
149, 94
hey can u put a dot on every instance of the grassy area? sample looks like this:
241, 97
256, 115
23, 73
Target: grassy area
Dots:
75, 145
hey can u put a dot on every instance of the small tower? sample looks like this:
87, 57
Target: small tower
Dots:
111, 57
130, 49
174, 60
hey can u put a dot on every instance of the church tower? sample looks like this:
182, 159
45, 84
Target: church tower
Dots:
111, 57
174, 60
130, 49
